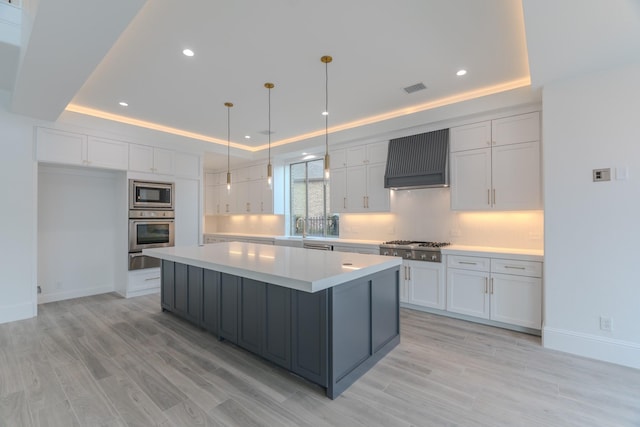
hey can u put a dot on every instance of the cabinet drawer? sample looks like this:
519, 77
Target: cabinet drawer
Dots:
516, 267
144, 279
468, 262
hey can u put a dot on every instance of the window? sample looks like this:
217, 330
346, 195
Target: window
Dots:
310, 201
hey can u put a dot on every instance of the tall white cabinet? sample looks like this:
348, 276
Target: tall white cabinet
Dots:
357, 179
495, 164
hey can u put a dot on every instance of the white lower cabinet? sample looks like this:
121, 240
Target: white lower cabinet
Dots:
423, 284
498, 289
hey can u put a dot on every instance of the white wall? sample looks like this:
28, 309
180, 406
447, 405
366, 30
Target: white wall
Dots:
17, 228
79, 235
591, 232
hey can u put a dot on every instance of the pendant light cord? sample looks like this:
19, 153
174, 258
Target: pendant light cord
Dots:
269, 125
228, 138
326, 107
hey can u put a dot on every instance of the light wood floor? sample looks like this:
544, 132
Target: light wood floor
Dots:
107, 361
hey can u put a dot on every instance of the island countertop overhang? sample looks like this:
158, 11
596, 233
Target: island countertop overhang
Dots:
296, 268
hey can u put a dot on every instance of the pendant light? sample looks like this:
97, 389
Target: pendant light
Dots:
228, 105
269, 86
326, 60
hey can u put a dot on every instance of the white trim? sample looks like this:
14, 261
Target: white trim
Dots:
11, 313
76, 293
626, 353
140, 292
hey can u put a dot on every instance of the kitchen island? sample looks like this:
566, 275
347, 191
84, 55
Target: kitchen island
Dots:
325, 316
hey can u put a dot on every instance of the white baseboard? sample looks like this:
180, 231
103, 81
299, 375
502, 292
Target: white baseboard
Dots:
11, 313
140, 292
620, 352
76, 293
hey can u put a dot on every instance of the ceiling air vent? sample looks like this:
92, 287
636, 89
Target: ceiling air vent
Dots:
414, 88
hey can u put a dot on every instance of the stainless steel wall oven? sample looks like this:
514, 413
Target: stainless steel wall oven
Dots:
151, 220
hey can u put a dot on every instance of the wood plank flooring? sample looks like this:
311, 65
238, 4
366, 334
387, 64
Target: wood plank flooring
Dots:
108, 361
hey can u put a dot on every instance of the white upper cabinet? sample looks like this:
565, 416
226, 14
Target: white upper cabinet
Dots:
367, 154
469, 137
107, 153
357, 179
250, 192
60, 147
496, 164
144, 158
71, 148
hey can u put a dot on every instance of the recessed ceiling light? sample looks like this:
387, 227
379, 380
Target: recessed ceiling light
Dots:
304, 154
124, 104
188, 52
461, 72
325, 113
247, 137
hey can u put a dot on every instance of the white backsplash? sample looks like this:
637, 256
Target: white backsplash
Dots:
423, 214
246, 224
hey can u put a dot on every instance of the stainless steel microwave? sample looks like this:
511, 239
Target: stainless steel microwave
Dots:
151, 195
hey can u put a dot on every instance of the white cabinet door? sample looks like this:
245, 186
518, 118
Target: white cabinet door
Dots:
239, 198
338, 191
356, 188
471, 179
187, 226
60, 147
211, 202
470, 137
378, 199
107, 153
260, 197
426, 284
225, 201
141, 158
188, 165
516, 176
356, 156
377, 152
516, 129
467, 292
338, 158
404, 282
516, 300
164, 161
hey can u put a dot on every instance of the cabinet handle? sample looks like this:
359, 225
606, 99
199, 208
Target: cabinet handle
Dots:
367, 202
409, 270
344, 202
486, 285
494, 197
492, 286
515, 267
227, 208
248, 207
488, 196
151, 278
467, 262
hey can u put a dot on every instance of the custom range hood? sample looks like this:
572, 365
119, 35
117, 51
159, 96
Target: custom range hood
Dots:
418, 161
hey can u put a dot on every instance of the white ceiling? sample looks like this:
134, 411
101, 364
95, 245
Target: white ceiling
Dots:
91, 54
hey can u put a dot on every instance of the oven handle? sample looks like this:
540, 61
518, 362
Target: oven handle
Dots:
136, 255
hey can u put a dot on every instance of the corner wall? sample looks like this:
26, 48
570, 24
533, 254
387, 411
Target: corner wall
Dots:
17, 229
591, 232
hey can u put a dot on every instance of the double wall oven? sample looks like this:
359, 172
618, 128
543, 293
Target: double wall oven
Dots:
151, 220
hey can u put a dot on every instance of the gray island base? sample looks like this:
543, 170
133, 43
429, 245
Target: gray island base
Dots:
330, 337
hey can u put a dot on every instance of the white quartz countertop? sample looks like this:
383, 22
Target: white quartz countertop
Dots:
333, 241
488, 251
296, 268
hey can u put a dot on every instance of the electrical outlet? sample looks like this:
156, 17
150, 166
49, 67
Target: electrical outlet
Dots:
606, 323
39, 289
600, 175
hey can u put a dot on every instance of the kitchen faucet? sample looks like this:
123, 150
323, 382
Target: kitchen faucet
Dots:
304, 226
